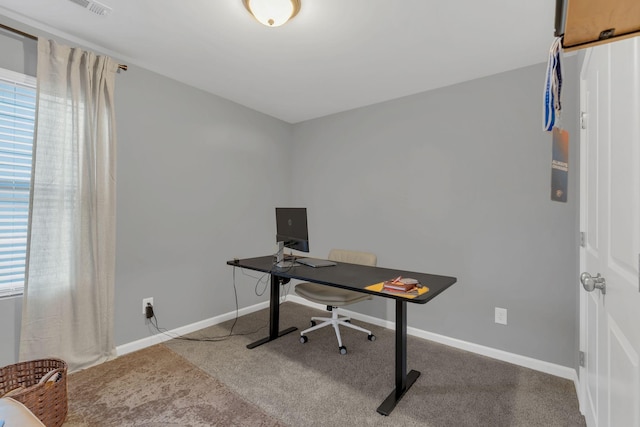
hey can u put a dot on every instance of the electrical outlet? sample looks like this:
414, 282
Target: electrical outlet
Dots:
501, 315
146, 301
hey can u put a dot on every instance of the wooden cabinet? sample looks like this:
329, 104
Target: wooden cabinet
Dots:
585, 23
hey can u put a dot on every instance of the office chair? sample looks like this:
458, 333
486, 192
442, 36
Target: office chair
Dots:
336, 297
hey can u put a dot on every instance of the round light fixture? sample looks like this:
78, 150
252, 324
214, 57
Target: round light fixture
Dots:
272, 13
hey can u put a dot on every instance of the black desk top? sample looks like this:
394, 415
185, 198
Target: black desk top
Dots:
350, 276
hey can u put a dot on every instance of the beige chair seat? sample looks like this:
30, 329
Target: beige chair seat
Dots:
328, 295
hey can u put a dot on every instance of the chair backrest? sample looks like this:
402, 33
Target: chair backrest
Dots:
353, 257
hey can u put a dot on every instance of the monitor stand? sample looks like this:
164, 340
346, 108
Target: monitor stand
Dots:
280, 261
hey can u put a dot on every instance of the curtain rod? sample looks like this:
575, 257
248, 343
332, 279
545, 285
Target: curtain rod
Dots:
32, 37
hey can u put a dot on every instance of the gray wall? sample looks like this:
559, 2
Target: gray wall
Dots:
198, 180
10, 315
19, 53
453, 181
456, 181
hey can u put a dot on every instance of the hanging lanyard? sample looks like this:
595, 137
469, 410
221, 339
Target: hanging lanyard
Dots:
553, 85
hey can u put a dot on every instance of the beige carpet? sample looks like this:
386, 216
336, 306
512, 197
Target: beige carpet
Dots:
188, 383
312, 384
156, 387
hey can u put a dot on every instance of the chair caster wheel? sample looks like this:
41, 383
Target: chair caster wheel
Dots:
343, 350
371, 337
313, 323
303, 339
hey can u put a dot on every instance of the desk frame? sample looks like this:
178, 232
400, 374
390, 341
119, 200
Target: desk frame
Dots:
403, 380
274, 315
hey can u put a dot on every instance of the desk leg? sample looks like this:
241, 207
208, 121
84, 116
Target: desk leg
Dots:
274, 315
403, 381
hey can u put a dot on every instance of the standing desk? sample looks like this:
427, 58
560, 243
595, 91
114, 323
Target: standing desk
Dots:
353, 277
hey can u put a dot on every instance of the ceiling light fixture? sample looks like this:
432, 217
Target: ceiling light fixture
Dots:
272, 13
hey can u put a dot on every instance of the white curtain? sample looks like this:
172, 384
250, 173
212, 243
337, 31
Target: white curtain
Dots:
68, 300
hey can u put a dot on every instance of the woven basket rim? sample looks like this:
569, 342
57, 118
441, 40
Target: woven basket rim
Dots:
47, 400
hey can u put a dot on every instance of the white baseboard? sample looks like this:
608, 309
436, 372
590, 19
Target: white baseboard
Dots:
526, 362
516, 359
159, 338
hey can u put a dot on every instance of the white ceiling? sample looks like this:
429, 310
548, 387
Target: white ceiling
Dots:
334, 56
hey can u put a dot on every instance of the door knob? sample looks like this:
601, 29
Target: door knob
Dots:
589, 283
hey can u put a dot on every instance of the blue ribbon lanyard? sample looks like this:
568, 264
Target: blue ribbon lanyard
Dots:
553, 86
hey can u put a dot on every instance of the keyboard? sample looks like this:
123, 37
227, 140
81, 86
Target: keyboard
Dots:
315, 262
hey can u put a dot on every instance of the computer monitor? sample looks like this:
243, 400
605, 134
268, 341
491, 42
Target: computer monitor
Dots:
291, 232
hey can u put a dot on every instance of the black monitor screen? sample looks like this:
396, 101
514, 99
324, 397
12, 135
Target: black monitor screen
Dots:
291, 228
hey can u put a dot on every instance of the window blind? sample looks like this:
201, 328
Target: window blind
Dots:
17, 122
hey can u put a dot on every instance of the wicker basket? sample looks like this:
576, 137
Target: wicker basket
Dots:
46, 399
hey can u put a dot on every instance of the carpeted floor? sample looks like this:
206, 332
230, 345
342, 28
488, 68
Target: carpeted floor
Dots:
284, 382
156, 387
313, 385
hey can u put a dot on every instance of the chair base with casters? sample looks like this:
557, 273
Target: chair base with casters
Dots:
339, 297
333, 297
335, 320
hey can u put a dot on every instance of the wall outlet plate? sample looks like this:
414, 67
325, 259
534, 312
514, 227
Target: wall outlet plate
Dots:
146, 301
501, 316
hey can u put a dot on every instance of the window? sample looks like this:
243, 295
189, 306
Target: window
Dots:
17, 121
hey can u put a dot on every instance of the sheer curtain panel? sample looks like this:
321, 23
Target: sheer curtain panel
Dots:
68, 299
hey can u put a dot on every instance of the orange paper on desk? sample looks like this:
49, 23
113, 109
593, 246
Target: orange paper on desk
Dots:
379, 287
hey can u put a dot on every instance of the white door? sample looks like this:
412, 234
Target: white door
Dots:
610, 221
